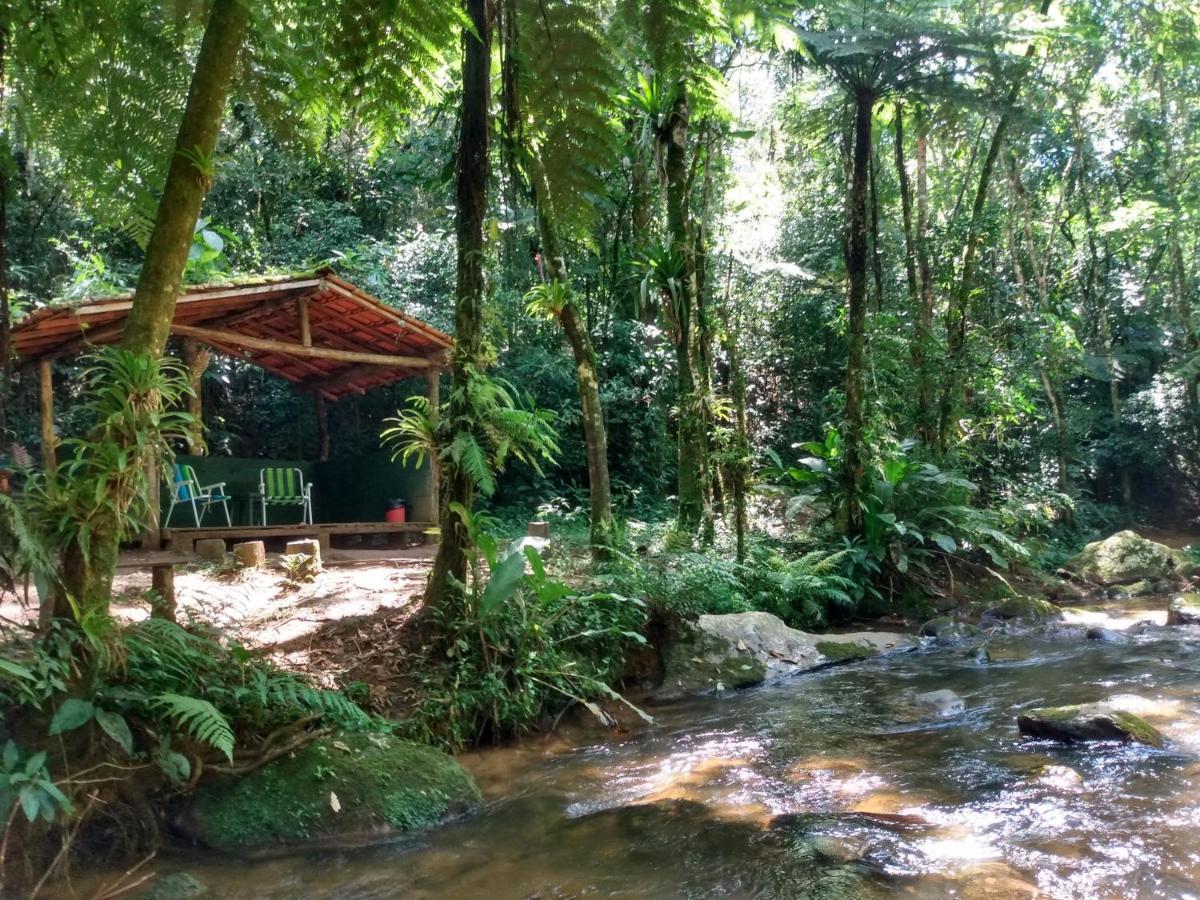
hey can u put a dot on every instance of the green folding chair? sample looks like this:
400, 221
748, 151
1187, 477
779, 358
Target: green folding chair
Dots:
285, 487
186, 488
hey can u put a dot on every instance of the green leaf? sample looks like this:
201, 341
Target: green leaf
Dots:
17, 669
115, 726
506, 576
946, 542
73, 713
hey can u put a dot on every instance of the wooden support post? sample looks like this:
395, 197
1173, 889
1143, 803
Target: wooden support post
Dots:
195, 400
46, 410
305, 326
162, 581
151, 538
434, 393
322, 427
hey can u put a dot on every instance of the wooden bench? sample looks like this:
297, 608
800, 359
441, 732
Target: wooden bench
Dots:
162, 571
184, 539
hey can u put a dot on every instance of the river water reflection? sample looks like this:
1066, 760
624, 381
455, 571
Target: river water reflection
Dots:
835, 784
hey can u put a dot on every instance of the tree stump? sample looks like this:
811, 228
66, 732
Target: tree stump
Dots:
211, 549
251, 554
306, 547
539, 529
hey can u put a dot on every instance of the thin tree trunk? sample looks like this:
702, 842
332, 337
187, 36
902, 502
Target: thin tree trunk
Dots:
906, 210
926, 423
587, 372
690, 476
876, 250
574, 326
450, 564
956, 313
739, 475
854, 450
5, 309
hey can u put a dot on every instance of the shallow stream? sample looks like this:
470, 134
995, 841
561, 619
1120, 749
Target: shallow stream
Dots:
834, 784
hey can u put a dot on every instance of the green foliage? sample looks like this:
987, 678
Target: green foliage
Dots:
518, 645
299, 568
27, 783
805, 589
913, 511
566, 81
176, 696
503, 424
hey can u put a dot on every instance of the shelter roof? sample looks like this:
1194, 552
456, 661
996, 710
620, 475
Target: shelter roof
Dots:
318, 331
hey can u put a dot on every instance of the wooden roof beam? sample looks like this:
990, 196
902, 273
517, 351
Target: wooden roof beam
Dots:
299, 350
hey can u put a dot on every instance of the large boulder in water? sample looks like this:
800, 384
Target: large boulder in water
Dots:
721, 652
335, 792
1184, 609
1127, 557
1087, 722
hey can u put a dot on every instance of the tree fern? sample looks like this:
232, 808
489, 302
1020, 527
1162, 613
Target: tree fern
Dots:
566, 80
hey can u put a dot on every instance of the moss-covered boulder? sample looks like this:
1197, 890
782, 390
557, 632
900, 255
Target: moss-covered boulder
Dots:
704, 658
345, 791
1087, 722
1184, 609
1126, 557
845, 651
722, 652
1025, 609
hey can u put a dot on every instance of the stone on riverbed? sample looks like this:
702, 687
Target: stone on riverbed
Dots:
723, 652
1127, 557
1184, 609
944, 702
947, 629
1088, 722
336, 792
1024, 609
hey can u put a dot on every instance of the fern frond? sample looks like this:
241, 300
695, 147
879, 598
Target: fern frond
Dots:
200, 719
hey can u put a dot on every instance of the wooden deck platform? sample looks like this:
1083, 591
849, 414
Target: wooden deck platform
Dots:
183, 540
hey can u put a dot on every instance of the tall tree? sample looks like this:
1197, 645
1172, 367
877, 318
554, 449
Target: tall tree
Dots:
556, 68
470, 349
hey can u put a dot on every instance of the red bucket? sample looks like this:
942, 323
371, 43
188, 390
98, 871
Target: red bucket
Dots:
397, 514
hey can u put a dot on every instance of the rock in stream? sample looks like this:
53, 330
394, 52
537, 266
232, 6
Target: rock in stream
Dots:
1087, 722
722, 652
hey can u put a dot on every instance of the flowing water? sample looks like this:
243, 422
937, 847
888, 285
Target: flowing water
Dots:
834, 784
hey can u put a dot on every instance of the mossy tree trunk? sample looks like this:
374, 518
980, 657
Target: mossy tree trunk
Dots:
587, 372
690, 441
188, 180
471, 178
88, 569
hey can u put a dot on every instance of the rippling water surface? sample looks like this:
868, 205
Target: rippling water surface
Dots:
834, 784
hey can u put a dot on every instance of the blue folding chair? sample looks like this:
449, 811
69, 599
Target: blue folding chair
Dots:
186, 488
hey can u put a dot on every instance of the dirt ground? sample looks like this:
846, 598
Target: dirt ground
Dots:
345, 626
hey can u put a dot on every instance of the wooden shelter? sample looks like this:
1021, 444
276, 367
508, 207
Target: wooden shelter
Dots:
320, 332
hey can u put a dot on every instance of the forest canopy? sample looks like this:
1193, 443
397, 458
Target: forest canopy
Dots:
805, 308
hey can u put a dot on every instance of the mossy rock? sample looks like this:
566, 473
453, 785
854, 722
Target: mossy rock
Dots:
1028, 609
1127, 557
1184, 609
1088, 722
176, 886
846, 651
947, 629
345, 791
